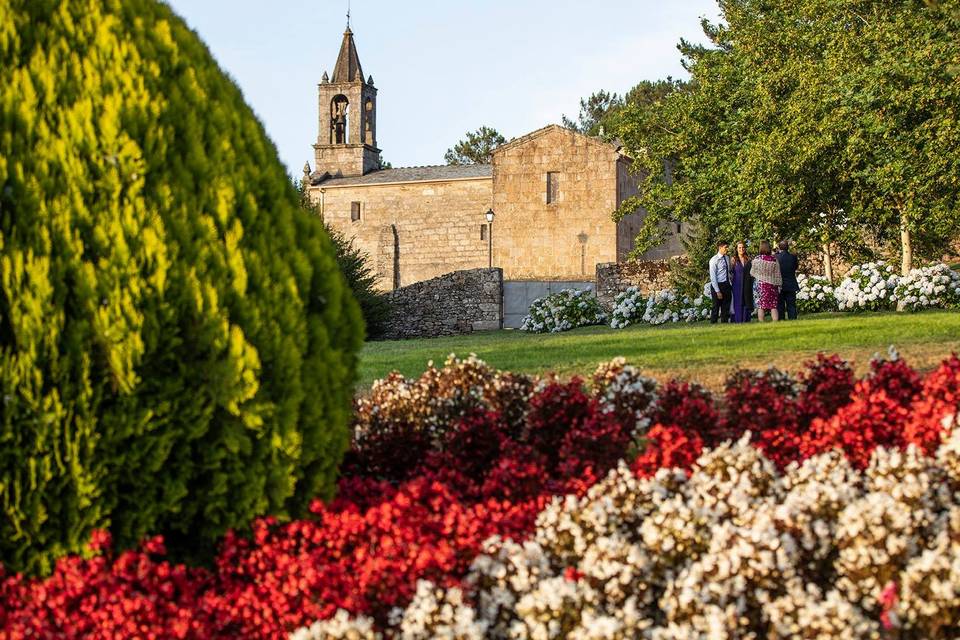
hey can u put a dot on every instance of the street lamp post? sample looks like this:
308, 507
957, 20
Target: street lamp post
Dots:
490, 216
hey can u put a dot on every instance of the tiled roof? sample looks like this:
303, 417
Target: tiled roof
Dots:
413, 174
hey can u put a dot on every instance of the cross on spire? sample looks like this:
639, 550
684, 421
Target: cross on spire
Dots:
348, 14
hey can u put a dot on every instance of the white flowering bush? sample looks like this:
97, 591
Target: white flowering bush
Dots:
816, 294
628, 308
563, 311
935, 286
869, 286
733, 549
663, 306
669, 306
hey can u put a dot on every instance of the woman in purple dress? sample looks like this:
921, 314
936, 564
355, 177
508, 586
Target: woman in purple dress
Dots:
742, 285
766, 271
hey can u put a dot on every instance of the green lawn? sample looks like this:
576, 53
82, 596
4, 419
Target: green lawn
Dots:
701, 351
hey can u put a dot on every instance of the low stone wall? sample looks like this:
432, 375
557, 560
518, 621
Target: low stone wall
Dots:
452, 304
646, 275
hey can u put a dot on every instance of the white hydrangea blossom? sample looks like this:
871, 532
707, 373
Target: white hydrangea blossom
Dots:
668, 305
816, 294
663, 306
628, 308
867, 286
935, 286
563, 311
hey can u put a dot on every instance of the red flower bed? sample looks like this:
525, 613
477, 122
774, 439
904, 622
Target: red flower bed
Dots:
447, 464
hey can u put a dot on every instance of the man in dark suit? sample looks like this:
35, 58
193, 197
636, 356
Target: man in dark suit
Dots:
787, 305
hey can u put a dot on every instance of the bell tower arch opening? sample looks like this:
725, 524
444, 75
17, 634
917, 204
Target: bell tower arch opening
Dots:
339, 119
369, 120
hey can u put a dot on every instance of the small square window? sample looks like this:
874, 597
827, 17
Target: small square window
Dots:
553, 187
483, 232
355, 211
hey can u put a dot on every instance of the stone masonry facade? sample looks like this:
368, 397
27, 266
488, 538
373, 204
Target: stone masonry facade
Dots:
552, 192
452, 304
415, 230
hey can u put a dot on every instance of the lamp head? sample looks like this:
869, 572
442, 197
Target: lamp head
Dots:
489, 214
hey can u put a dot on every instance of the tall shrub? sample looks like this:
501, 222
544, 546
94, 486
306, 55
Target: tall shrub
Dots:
177, 348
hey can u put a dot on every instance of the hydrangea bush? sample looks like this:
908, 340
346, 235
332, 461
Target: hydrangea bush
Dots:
666, 305
628, 308
669, 306
869, 286
816, 294
562, 311
935, 286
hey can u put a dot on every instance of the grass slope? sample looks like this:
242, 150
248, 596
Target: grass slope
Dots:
703, 352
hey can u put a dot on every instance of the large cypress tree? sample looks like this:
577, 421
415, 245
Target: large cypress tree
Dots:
177, 346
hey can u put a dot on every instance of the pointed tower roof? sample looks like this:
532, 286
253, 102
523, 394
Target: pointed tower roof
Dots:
347, 68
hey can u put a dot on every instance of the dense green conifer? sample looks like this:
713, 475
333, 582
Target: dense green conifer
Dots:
177, 347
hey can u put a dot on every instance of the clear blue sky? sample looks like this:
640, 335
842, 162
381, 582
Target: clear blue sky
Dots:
442, 68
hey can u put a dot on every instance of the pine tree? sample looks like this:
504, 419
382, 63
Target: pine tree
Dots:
177, 347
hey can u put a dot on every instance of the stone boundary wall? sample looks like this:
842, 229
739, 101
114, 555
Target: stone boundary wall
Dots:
452, 304
646, 275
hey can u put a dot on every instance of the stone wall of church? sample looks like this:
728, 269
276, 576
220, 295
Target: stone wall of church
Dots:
414, 231
566, 238
452, 304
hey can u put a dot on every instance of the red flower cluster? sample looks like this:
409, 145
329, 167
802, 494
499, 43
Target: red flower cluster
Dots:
667, 447
880, 407
937, 401
690, 407
486, 468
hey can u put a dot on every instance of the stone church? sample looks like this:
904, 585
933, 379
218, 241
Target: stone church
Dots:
552, 192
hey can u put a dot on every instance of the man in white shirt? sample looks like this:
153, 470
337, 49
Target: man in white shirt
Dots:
721, 289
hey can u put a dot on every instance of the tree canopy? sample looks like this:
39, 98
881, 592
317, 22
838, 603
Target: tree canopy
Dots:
600, 112
476, 148
833, 122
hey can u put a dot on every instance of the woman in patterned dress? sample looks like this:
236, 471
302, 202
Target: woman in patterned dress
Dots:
766, 271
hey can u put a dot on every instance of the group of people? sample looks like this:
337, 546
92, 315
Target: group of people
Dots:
740, 285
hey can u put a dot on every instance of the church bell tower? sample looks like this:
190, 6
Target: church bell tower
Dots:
347, 141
